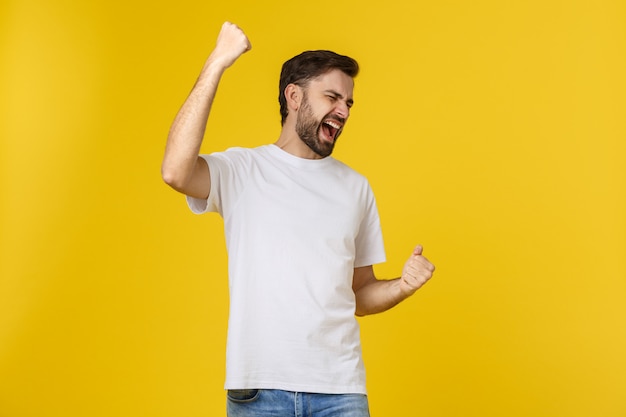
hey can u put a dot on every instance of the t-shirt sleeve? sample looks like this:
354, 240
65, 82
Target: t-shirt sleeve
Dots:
201, 205
370, 248
223, 169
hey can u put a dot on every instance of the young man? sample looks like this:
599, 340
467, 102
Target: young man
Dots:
302, 233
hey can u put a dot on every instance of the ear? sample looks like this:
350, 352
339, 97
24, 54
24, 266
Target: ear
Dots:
293, 95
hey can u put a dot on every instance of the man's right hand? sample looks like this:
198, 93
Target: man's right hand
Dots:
231, 44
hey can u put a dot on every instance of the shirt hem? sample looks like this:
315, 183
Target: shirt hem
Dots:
315, 389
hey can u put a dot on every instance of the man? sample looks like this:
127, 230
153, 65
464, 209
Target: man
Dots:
302, 233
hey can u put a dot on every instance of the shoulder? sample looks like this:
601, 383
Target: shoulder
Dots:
348, 172
237, 152
236, 155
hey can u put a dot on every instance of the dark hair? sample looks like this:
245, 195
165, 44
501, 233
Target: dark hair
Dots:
302, 68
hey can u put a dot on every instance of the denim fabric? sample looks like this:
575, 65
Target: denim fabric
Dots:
277, 403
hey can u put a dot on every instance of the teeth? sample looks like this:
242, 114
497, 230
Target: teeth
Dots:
332, 124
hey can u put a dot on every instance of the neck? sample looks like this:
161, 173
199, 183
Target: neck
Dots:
290, 142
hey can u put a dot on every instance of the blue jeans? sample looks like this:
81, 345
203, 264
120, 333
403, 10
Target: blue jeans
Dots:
277, 403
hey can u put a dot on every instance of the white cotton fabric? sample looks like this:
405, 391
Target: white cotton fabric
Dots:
295, 230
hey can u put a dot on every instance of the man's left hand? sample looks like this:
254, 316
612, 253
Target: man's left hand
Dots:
416, 272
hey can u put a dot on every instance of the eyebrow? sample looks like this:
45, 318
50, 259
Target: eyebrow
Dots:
349, 102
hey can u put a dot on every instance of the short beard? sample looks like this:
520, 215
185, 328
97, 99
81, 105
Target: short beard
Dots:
308, 130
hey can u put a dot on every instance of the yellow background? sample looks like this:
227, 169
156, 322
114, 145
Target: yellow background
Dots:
493, 132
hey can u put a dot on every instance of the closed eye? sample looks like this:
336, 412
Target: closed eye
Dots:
334, 96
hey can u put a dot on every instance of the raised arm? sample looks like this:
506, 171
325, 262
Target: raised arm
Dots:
182, 168
375, 296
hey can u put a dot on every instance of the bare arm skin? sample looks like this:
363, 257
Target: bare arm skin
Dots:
182, 168
375, 296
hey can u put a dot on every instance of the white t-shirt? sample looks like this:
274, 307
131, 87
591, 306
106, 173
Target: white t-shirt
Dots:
295, 230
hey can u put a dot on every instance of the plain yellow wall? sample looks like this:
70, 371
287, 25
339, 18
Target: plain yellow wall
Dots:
493, 132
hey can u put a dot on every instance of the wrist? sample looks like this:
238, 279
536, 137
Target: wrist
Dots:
404, 290
213, 68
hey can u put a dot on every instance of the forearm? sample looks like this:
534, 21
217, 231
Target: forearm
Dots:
378, 296
187, 130
375, 296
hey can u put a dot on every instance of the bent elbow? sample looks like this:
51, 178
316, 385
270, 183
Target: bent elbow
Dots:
172, 177
193, 180
362, 311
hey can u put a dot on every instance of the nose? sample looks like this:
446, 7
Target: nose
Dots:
342, 110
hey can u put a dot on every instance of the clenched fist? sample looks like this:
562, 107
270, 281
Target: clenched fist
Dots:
416, 272
231, 44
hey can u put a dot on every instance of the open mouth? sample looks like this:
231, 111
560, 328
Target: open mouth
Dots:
330, 129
